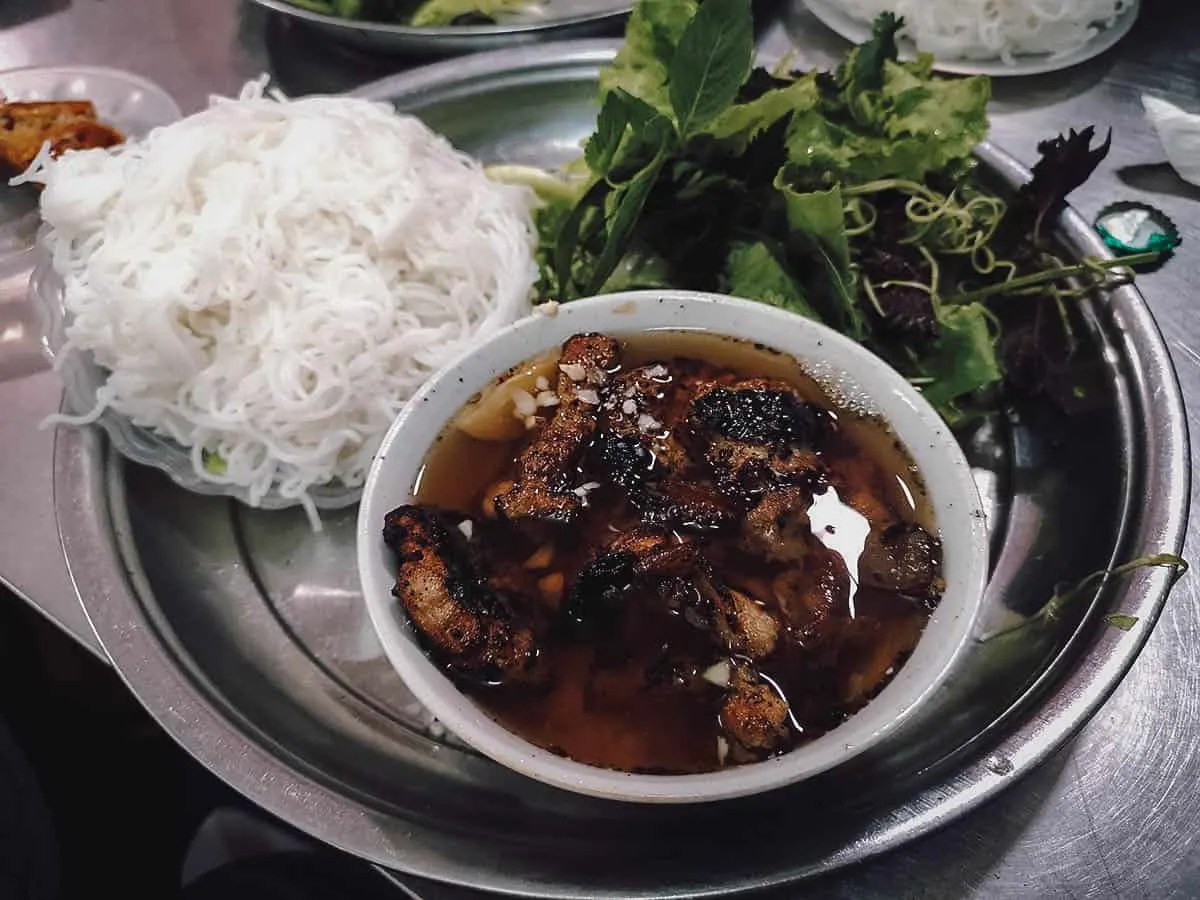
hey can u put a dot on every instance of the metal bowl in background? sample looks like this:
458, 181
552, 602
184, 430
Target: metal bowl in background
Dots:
571, 18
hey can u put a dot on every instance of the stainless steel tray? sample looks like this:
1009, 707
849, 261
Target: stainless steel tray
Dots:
244, 635
572, 18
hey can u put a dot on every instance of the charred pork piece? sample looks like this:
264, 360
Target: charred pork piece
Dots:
546, 465
680, 577
753, 715
903, 558
745, 627
636, 420
462, 619
641, 558
639, 450
757, 434
657, 554
814, 598
686, 505
777, 528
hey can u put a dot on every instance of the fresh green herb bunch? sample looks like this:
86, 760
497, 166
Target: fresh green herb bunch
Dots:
848, 197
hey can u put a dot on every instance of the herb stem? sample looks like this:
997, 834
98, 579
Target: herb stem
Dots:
547, 186
1033, 280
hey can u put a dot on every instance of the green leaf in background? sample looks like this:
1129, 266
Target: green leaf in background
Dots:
1123, 622
817, 233
948, 115
964, 355
754, 272
642, 63
610, 129
439, 13
746, 121
710, 64
623, 209
863, 69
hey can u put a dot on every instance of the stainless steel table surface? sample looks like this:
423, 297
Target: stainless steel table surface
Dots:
1114, 814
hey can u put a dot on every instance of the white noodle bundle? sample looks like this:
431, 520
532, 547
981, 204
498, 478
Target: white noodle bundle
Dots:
271, 280
995, 29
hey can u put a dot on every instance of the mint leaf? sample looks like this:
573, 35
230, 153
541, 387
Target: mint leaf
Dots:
711, 62
651, 36
648, 130
568, 241
623, 208
610, 129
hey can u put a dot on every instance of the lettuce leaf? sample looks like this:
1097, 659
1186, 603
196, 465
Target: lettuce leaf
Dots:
963, 359
437, 13
817, 240
741, 123
915, 124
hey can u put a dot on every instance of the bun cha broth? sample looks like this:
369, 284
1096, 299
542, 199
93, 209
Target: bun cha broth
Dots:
666, 553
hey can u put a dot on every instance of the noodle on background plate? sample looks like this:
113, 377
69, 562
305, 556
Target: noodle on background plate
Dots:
995, 29
268, 281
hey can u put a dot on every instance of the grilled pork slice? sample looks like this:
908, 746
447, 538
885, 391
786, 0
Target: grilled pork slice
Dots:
756, 434
546, 466
463, 620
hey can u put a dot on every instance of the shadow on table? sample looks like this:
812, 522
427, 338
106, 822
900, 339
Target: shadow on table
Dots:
1158, 178
19, 12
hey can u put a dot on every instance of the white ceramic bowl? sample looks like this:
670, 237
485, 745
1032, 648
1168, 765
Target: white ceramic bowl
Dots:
837, 362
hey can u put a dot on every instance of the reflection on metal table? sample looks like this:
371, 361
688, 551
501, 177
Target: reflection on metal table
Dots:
1112, 814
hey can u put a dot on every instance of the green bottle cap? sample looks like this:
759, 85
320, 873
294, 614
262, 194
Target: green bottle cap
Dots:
1129, 227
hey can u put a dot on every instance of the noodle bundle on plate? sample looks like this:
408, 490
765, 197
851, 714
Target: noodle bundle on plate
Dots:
268, 281
995, 29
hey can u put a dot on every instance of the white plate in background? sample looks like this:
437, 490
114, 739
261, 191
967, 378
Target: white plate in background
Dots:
833, 16
131, 104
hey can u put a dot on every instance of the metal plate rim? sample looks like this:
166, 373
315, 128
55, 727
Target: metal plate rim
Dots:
115, 613
455, 32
